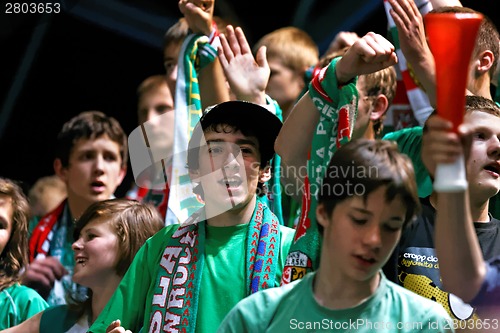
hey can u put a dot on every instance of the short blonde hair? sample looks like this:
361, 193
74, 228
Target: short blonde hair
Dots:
292, 46
51, 187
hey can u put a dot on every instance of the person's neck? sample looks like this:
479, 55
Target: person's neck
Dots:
234, 216
478, 208
369, 133
77, 207
333, 291
481, 87
102, 294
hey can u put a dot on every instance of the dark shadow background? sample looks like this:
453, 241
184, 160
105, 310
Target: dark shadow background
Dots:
94, 54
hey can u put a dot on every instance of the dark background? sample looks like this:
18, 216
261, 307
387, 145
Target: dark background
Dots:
94, 54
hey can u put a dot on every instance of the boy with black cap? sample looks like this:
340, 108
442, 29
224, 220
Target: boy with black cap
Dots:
192, 274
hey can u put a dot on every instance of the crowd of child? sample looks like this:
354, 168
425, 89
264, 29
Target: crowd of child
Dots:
268, 195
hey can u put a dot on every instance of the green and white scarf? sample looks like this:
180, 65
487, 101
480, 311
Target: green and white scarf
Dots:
338, 108
195, 54
175, 300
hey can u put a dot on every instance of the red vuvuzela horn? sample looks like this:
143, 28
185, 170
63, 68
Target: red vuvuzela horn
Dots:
452, 37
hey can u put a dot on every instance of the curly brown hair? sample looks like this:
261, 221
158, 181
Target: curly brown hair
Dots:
15, 254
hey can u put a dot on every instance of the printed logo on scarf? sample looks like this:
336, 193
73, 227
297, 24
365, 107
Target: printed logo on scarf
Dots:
296, 266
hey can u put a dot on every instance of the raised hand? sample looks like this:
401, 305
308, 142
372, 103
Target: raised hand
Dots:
42, 273
411, 32
368, 54
341, 40
413, 43
198, 14
440, 145
247, 76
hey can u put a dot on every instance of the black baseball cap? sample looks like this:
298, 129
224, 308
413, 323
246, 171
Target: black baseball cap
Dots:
247, 117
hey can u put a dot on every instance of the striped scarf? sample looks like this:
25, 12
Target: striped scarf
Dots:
39, 242
418, 98
195, 54
175, 299
338, 109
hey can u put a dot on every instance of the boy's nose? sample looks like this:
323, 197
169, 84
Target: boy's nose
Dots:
231, 162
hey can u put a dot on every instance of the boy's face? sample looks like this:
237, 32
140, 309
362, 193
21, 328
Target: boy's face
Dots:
94, 170
156, 113
170, 55
229, 169
361, 234
6, 212
155, 102
285, 85
483, 165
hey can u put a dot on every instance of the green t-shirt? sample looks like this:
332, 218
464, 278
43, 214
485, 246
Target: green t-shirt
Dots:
223, 276
409, 142
293, 308
18, 303
62, 319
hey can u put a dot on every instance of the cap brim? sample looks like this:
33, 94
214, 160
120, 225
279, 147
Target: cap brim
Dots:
263, 122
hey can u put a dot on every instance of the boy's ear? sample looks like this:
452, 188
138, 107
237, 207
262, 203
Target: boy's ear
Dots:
484, 61
321, 215
60, 170
121, 176
380, 106
265, 174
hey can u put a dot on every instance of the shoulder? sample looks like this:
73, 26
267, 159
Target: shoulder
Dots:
495, 221
255, 312
163, 235
20, 293
23, 301
405, 133
489, 294
415, 305
154, 245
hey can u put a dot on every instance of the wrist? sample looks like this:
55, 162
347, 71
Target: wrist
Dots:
214, 32
257, 97
343, 77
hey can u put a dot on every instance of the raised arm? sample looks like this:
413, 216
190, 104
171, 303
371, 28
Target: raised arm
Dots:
31, 325
411, 32
368, 54
460, 258
247, 76
212, 82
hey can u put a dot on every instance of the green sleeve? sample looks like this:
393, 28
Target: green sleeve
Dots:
35, 303
129, 302
409, 141
18, 303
